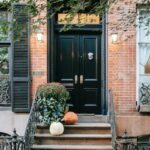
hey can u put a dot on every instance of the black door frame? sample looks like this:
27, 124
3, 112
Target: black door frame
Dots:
53, 28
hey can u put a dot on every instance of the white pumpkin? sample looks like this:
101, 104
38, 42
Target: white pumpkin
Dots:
56, 128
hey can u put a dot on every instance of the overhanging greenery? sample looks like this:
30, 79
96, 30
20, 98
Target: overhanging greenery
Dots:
127, 14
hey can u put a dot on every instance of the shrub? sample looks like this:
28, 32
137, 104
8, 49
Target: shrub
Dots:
51, 99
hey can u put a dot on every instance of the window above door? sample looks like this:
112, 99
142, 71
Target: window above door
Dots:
79, 18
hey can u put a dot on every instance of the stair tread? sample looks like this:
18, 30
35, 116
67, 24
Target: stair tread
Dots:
74, 135
78, 147
89, 125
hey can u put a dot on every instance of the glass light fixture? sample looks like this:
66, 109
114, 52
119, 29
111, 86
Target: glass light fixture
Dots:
39, 36
114, 37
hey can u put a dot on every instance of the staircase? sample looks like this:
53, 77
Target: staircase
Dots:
90, 133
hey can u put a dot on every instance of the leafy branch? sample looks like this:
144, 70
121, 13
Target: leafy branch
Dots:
39, 11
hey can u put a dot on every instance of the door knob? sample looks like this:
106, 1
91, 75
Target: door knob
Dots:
81, 79
76, 79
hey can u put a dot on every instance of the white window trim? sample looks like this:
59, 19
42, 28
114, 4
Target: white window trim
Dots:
137, 57
137, 60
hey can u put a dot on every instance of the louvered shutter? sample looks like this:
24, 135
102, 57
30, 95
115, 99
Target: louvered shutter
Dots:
20, 66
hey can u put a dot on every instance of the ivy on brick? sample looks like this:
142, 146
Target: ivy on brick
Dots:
127, 14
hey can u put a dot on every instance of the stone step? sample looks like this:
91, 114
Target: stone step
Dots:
72, 147
81, 128
71, 139
92, 118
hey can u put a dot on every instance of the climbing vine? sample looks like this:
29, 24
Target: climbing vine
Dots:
127, 11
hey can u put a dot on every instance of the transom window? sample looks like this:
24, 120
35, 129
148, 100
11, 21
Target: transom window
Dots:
80, 18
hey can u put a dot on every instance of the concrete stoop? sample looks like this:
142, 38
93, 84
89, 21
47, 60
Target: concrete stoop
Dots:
84, 135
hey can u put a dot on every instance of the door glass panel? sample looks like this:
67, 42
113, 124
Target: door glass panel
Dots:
80, 18
4, 77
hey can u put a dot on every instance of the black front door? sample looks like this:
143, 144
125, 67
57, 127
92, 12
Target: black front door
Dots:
78, 68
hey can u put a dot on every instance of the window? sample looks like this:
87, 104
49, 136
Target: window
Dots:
4, 26
5, 48
80, 18
143, 46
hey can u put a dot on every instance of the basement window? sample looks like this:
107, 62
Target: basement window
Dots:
143, 58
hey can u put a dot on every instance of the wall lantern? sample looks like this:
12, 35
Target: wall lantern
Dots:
114, 37
40, 36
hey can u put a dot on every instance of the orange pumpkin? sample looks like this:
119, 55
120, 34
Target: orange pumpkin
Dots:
70, 118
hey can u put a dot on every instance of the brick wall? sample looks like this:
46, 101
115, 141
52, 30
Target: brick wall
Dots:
38, 58
122, 60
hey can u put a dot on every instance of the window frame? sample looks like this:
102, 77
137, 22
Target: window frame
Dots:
139, 9
8, 44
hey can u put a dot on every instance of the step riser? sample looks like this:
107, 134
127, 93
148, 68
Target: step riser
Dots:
92, 118
80, 130
87, 131
70, 149
70, 141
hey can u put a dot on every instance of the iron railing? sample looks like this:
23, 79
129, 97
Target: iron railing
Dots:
31, 126
136, 143
16, 142
13, 142
145, 94
112, 118
5, 99
126, 142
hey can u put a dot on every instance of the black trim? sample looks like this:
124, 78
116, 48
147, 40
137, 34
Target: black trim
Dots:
5, 44
51, 48
21, 79
90, 28
54, 28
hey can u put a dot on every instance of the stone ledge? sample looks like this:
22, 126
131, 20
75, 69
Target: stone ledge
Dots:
144, 109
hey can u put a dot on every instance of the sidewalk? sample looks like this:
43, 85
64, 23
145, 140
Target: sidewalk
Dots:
10, 120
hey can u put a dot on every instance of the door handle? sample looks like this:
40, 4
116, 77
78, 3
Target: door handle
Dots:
81, 79
76, 79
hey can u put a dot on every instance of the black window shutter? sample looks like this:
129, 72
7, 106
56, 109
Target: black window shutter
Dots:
20, 87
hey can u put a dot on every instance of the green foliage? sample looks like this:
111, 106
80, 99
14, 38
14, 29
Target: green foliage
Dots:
51, 99
35, 8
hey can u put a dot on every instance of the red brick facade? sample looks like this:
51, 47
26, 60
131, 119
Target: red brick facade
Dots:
39, 57
122, 59
121, 64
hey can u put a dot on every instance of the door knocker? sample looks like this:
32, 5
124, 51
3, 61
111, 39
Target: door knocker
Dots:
90, 56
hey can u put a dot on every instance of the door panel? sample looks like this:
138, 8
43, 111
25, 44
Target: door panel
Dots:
90, 89
89, 45
66, 65
73, 60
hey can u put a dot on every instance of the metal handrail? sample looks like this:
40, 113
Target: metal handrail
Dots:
31, 126
112, 118
16, 142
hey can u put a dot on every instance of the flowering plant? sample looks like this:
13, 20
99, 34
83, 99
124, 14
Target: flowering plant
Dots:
52, 101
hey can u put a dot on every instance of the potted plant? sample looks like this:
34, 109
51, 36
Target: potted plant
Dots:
52, 102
